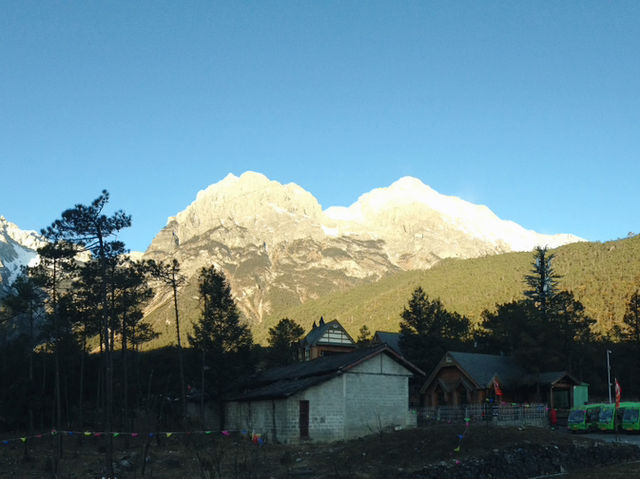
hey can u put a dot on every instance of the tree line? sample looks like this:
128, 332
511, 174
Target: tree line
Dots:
548, 330
71, 333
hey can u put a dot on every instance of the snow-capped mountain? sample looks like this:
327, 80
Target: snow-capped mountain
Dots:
278, 246
17, 249
408, 196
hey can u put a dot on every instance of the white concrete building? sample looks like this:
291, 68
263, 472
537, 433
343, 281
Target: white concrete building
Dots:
336, 397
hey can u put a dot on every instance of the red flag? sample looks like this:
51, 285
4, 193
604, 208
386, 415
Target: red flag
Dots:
496, 387
618, 393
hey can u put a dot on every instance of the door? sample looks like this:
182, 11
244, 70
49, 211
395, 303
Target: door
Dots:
304, 419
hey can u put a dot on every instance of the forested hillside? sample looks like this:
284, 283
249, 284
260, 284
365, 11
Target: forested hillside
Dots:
601, 275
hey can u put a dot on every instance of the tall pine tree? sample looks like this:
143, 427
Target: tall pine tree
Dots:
542, 281
225, 343
90, 229
428, 330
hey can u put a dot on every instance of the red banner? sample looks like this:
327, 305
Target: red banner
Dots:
618, 393
496, 387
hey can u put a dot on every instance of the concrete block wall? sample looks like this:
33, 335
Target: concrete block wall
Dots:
326, 410
377, 397
369, 397
270, 418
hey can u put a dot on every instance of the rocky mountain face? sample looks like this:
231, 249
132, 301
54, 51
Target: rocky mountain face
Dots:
278, 247
17, 249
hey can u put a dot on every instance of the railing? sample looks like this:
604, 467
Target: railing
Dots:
505, 414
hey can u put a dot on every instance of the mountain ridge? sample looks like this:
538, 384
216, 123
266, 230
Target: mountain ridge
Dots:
279, 248
275, 243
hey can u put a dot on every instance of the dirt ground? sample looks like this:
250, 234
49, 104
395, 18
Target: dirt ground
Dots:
235, 456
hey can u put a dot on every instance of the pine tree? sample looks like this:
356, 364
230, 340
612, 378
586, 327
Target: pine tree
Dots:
543, 281
629, 330
26, 299
169, 274
428, 330
282, 340
90, 229
364, 337
130, 291
223, 341
55, 264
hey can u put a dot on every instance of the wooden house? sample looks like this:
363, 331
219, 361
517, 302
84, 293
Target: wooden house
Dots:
471, 378
325, 339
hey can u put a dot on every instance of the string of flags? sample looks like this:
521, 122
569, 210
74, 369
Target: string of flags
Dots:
256, 438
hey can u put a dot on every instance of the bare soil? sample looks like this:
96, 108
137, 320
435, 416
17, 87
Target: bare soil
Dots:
383, 455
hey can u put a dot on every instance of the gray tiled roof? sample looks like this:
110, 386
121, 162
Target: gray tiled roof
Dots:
281, 389
287, 380
319, 366
390, 339
548, 378
483, 367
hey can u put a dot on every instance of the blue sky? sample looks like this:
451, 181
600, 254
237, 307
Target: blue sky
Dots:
531, 108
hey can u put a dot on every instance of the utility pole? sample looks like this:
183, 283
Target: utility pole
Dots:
609, 375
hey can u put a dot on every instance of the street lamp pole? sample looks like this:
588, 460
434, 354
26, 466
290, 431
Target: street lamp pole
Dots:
609, 375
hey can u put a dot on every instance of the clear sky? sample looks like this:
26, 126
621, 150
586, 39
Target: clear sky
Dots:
531, 108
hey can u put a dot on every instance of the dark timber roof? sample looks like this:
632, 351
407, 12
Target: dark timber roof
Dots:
285, 381
482, 368
390, 339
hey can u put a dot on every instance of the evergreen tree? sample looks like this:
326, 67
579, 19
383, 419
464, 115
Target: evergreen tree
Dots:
629, 330
570, 330
90, 229
26, 300
129, 291
428, 330
169, 274
542, 281
224, 342
283, 339
500, 330
51, 274
364, 337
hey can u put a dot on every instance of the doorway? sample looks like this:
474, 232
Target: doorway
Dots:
304, 419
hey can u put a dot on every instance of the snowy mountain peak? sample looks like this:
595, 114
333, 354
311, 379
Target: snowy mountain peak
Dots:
17, 248
408, 201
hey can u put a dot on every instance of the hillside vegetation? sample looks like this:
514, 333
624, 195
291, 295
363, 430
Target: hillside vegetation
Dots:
601, 275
